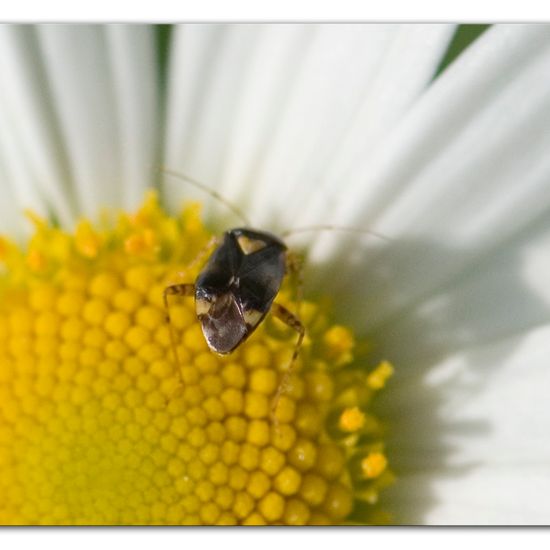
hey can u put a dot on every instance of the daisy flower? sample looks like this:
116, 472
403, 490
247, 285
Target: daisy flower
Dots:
298, 125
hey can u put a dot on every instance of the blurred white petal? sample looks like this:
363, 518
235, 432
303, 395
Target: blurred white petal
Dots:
206, 73
134, 70
464, 172
107, 116
33, 167
264, 120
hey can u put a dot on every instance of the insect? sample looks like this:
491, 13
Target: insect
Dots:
237, 288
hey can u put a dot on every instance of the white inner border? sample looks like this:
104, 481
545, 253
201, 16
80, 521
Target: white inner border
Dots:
283, 10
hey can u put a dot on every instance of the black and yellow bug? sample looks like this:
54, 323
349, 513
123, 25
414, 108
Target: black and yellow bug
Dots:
237, 288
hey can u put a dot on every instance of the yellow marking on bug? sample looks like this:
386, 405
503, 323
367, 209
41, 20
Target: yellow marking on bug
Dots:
252, 317
202, 307
249, 246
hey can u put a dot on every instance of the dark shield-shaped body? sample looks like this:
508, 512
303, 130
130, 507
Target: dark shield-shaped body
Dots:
235, 290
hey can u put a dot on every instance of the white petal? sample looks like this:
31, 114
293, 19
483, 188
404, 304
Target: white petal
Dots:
470, 436
270, 118
133, 68
96, 118
207, 65
32, 157
14, 195
403, 71
463, 173
488, 495
506, 294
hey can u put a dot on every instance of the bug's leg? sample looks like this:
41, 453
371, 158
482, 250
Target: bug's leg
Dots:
185, 289
292, 321
294, 268
199, 258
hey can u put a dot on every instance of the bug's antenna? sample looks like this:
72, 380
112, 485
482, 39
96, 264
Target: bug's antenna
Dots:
208, 190
335, 228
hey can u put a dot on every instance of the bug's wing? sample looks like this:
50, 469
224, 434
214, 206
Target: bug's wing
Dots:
260, 276
223, 325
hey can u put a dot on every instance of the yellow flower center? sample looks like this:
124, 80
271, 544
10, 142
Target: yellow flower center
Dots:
100, 425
